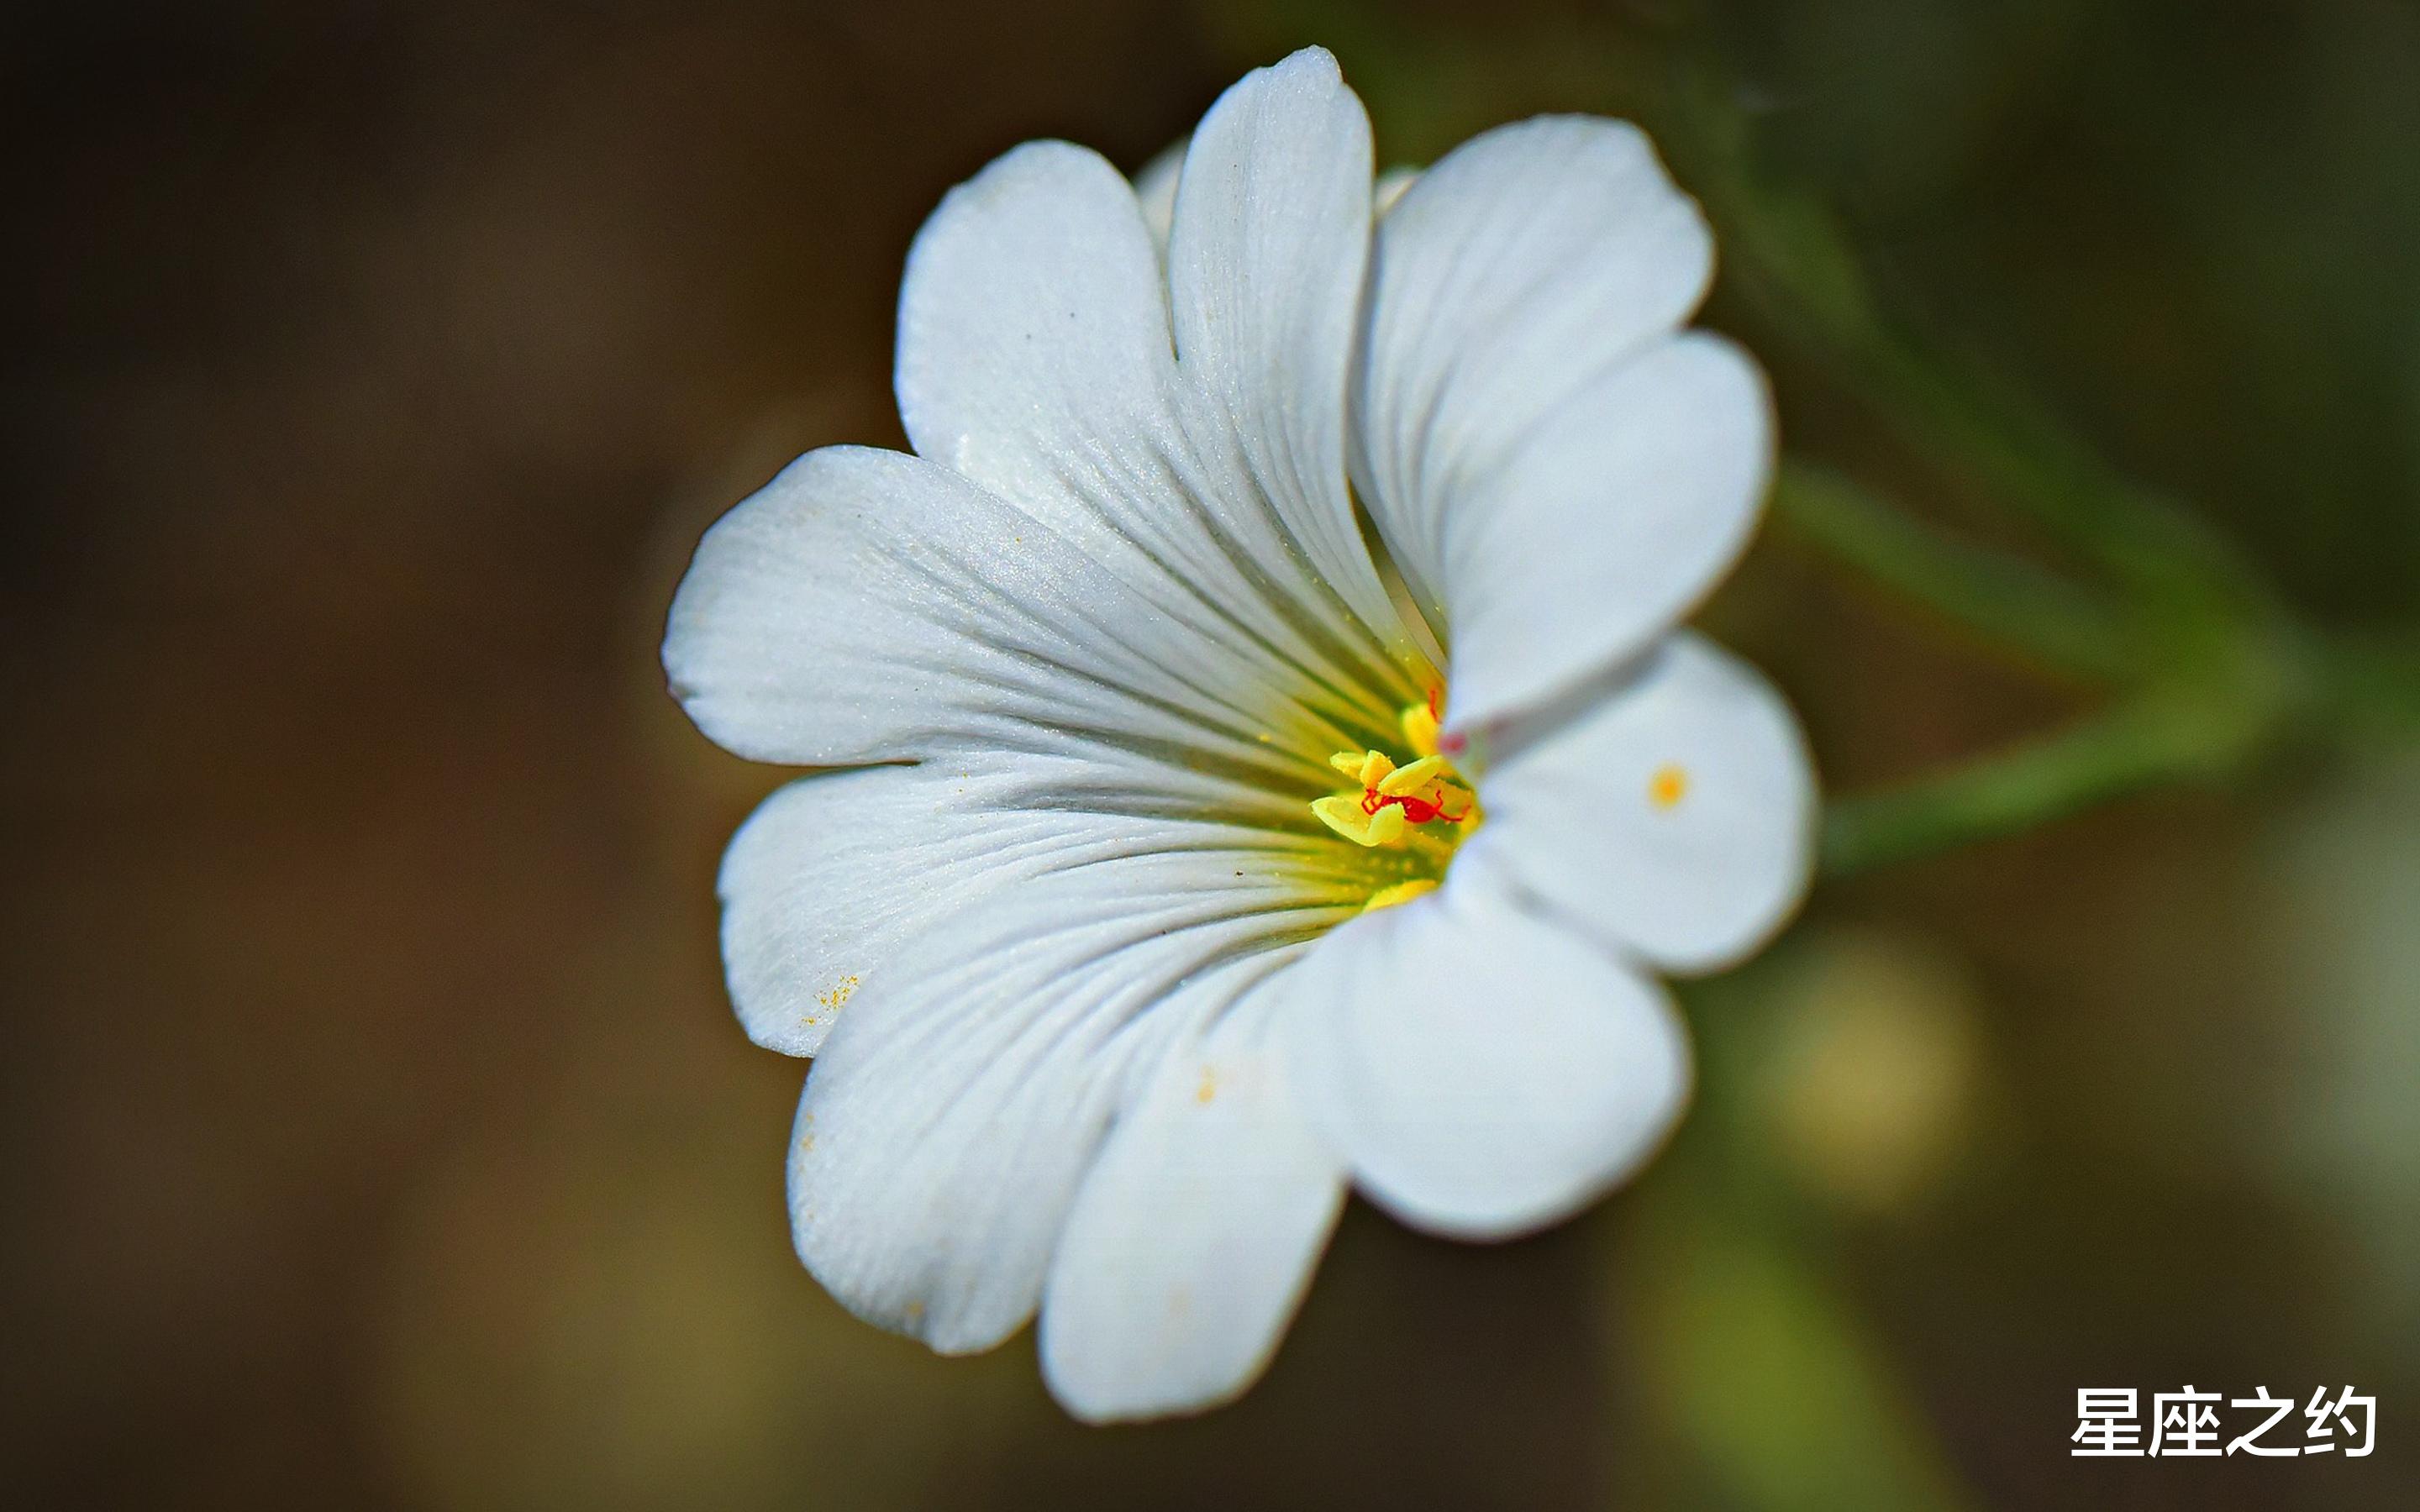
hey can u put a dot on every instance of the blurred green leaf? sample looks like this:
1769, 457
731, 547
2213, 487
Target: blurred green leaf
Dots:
1768, 1378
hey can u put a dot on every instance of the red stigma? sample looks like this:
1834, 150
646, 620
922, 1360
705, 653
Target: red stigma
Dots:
1416, 810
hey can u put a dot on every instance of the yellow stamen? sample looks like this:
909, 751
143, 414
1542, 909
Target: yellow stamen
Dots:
1343, 813
1418, 804
1367, 767
1415, 776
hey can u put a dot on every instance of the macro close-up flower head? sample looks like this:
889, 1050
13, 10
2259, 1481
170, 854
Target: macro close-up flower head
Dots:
1574, 754
1255, 754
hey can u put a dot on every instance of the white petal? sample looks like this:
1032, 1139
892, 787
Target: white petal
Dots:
836, 874
1036, 360
1530, 260
1194, 1237
1154, 185
1266, 260
958, 1103
867, 606
1674, 819
1621, 508
1484, 1070
816, 887
1033, 328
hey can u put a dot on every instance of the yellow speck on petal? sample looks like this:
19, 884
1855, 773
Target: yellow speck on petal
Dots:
837, 994
1209, 1088
1400, 893
915, 1308
1668, 786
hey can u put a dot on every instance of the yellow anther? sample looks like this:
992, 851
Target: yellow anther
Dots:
1420, 804
1411, 779
1401, 892
1668, 786
1342, 812
1367, 767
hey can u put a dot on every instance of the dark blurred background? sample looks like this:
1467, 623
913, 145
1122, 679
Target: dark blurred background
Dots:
376, 1133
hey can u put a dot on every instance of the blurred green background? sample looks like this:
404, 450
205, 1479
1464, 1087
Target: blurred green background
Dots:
376, 1133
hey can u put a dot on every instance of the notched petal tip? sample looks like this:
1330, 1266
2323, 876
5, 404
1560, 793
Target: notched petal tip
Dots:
1555, 586
1311, 64
1510, 279
1193, 1241
1485, 1071
1674, 818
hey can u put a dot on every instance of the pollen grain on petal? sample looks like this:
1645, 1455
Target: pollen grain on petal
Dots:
1668, 787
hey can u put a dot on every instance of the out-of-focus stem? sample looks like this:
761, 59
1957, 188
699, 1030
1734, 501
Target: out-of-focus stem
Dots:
1787, 252
2134, 746
2207, 670
2148, 544
2373, 685
2007, 603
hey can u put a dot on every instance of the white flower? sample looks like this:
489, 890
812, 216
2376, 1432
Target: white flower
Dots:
1087, 937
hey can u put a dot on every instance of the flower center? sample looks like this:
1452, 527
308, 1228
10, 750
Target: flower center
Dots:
1419, 806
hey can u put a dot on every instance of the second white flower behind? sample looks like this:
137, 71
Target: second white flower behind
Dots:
1188, 863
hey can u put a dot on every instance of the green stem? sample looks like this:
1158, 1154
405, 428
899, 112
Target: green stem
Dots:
1965, 426
2373, 685
2007, 603
2210, 671
1786, 252
2131, 746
